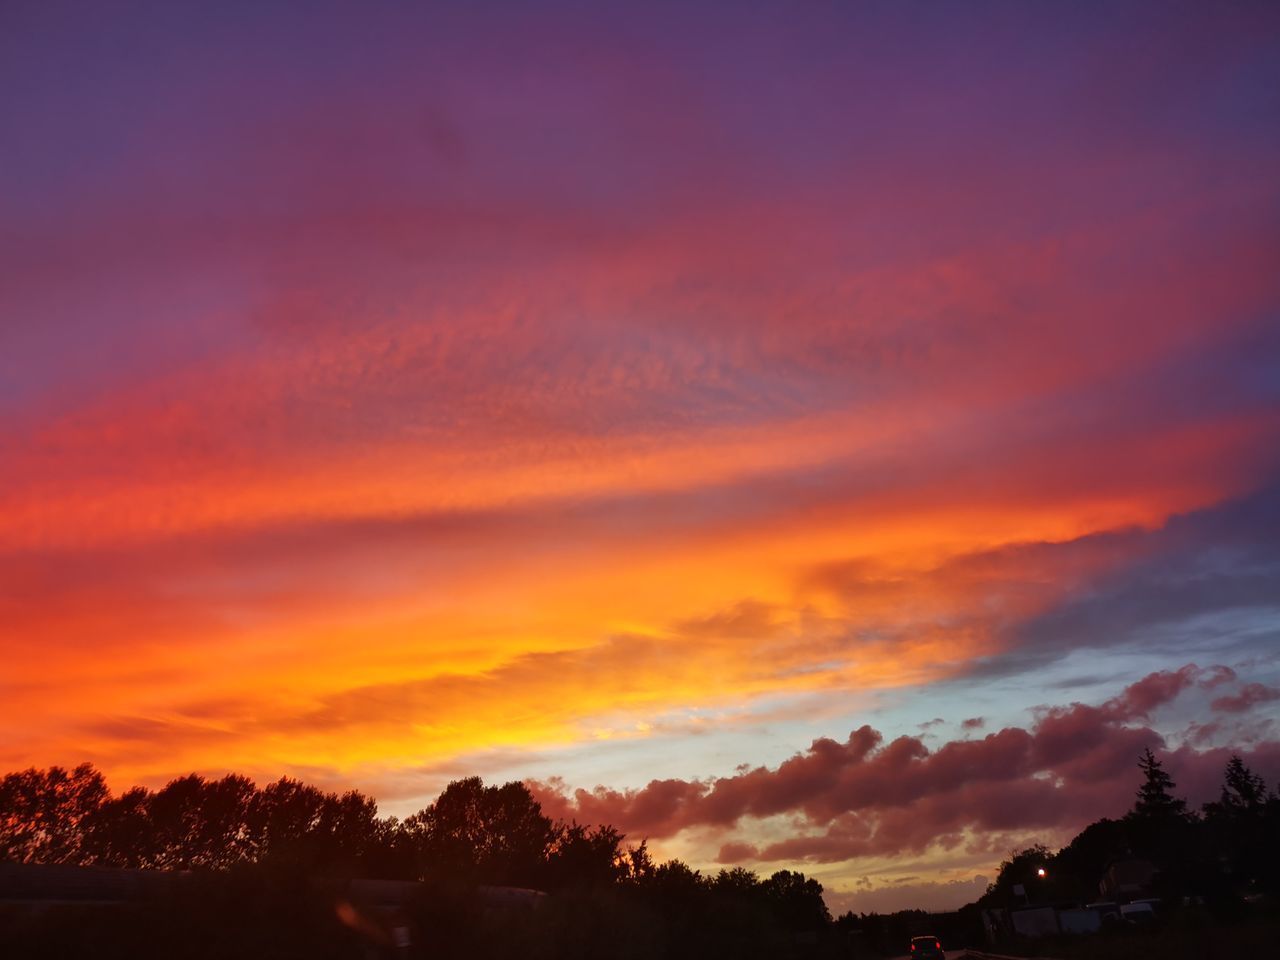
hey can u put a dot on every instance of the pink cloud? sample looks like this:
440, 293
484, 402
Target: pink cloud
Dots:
737, 852
1139, 699
1250, 695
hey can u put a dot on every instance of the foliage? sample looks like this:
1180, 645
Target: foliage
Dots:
255, 856
45, 815
796, 901
1156, 802
580, 857
495, 835
1019, 869
1229, 851
1243, 827
1077, 867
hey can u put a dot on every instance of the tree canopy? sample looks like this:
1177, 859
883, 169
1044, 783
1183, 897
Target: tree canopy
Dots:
1230, 847
472, 833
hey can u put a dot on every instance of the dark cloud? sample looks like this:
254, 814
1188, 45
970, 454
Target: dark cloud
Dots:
1073, 683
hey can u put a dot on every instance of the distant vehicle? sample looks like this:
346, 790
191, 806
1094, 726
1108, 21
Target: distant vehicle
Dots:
1109, 910
926, 948
1138, 914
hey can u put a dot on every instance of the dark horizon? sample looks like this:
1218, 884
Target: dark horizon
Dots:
246, 866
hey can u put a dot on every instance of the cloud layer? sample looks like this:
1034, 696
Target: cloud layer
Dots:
511, 386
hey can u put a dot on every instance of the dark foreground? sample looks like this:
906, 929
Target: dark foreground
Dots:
1187, 938
252, 915
248, 914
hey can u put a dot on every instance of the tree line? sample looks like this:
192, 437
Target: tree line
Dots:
1226, 852
611, 897
272, 838
486, 834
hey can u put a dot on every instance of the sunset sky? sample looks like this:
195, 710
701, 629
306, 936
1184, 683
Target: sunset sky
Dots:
825, 436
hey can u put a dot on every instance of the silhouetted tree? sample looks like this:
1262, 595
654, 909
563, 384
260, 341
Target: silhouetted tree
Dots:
349, 831
1156, 801
1019, 868
296, 826
45, 814
581, 857
285, 818
675, 878
198, 823
495, 835
796, 900
1161, 829
639, 863
1077, 867
225, 835
737, 882
1244, 794
120, 832
1242, 827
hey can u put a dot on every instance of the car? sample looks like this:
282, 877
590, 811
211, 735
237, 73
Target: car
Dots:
1108, 910
1138, 914
927, 948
